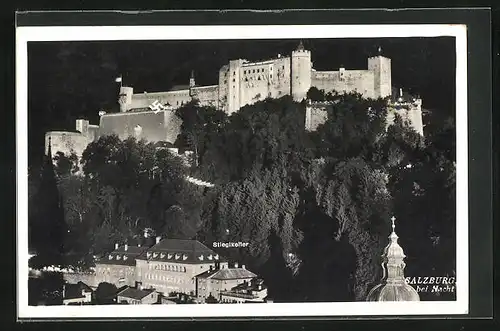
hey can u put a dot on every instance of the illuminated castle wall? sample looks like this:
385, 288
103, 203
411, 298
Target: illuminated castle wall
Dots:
240, 83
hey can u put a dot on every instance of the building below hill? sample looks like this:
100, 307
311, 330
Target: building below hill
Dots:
169, 267
77, 294
136, 295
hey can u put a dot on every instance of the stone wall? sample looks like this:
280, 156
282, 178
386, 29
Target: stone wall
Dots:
66, 142
149, 125
207, 95
345, 81
119, 275
316, 115
411, 113
173, 98
88, 278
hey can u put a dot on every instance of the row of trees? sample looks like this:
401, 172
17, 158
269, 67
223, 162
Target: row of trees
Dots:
314, 206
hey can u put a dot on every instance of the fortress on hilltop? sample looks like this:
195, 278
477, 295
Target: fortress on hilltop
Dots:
240, 82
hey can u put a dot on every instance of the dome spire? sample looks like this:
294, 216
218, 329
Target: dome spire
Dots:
392, 286
192, 82
301, 46
49, 149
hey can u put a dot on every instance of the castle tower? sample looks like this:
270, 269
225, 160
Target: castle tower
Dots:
125, 98
192, 83
300, 79
393, 286
233, 84
381, 68
82, 126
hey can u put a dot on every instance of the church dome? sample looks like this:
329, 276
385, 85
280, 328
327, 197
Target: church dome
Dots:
393, 286
393, 292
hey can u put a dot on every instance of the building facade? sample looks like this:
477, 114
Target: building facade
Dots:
169, 267
242, 82
215, 281
79, 293
248, 291
137, 296
119, 266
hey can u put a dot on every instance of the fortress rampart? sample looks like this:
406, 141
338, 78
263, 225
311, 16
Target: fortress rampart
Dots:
151, 116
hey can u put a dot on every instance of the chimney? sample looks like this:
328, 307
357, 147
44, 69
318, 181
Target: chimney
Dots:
211, 268
158, 239
400, 92
126, 247
243, 266
138, 285
236, 265
116, 245
259, 287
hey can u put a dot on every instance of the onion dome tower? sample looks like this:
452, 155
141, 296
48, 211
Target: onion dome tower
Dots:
393, 286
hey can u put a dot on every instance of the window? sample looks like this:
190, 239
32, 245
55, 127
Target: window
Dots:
253, 71
244, 71
234, 72
234, 80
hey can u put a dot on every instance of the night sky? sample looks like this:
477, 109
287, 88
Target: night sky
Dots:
70, 80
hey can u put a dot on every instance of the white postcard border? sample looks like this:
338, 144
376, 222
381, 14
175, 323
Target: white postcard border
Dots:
108, 33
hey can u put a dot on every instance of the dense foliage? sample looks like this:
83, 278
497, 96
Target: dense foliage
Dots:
313, 206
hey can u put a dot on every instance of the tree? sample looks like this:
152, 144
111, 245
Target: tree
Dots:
249, 210
48, 227
65, 165
315, 94
105, 293
199, 125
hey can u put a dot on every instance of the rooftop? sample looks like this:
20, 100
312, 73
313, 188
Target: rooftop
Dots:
180, 87
180, 251
227, 273
74, 291
134, 293
121, 256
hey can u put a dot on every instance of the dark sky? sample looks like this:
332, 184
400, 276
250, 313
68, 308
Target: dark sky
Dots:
70, 80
